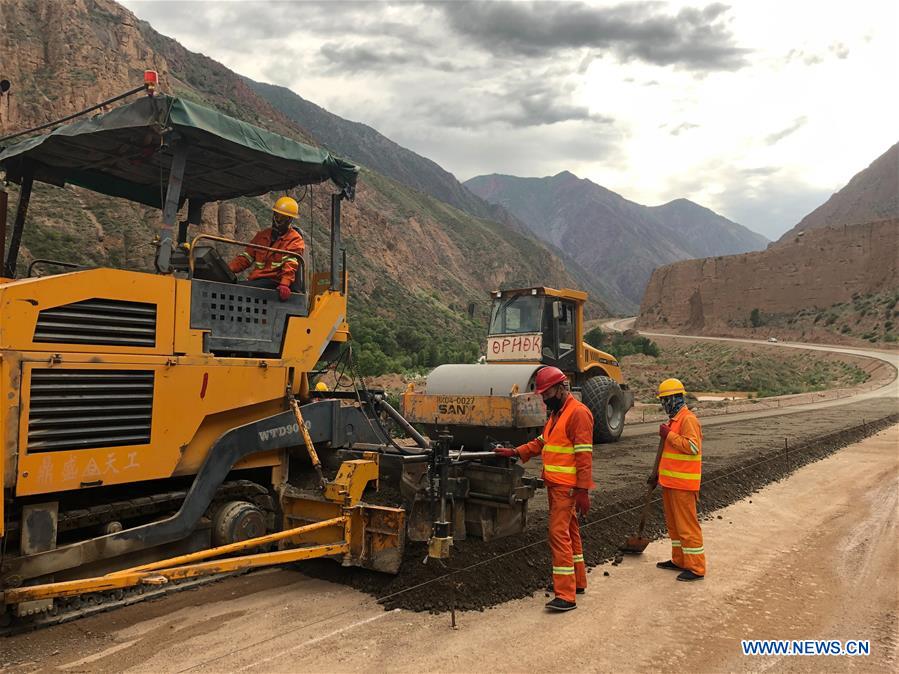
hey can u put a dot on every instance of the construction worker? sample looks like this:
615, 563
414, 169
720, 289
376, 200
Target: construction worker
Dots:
274, 270
566, 448
678, 469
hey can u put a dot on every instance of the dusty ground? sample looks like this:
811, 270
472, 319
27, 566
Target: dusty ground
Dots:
811, 557
739, 456
743, 453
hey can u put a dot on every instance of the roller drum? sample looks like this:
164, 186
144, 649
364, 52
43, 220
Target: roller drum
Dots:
481, 380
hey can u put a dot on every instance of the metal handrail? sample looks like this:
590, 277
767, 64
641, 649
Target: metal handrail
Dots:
69, 265
301, 271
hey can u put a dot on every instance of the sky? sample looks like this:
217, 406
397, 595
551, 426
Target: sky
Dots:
757, 109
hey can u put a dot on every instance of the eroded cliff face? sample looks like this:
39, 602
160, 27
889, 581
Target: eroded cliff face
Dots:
64, 56
814, 270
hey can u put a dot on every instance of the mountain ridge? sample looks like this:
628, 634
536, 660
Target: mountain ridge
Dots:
369, 147
871, 194
619, 240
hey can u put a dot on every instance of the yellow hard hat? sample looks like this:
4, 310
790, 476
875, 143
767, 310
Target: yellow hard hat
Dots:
321, 386
287, 206
671, 387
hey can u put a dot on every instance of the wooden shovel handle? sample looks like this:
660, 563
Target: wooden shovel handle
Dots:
652, 487
646, 504
655, 466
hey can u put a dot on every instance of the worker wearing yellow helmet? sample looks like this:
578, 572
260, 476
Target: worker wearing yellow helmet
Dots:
270, 269
678, 469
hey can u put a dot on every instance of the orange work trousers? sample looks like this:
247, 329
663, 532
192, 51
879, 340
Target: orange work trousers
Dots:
569, 571
683, 529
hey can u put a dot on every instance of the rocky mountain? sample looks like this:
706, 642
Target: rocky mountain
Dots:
416, 261
872, 194
618, 240
368, 147
371, 148
704, 231
816, 287
833, 278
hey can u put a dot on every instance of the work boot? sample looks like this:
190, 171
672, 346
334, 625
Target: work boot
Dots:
559, 604
668, 565
551, 588
688, 575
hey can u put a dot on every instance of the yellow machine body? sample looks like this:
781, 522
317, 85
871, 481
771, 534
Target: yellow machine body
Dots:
196, 396
339, 526
529, 328
159, 427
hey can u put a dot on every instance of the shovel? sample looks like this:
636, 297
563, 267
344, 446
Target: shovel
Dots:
635, 545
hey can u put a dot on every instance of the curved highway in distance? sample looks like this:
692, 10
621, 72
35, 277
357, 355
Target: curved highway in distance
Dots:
889, 390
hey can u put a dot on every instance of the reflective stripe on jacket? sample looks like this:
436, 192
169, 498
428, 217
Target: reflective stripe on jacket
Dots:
566, 446
681, 463
268, 264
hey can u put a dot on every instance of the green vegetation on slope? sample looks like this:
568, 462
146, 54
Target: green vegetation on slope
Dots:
621, 344
708, 367
409, 343
872, 318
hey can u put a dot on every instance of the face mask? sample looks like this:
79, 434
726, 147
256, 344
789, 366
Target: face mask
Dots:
672, 404
553, 404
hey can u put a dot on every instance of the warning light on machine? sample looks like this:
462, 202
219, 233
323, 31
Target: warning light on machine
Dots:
151, 79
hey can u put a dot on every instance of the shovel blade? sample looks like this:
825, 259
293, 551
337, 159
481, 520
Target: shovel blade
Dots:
634, 545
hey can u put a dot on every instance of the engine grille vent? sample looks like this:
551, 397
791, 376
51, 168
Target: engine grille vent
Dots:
99, 321
86, 409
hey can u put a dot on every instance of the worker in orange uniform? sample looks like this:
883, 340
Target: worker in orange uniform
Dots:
274, 270
566, 448
678, 469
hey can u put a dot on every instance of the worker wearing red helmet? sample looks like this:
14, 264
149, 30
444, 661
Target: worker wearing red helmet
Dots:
270, 269
566, 448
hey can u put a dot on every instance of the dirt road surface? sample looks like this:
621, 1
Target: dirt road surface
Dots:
743, 453
811, 557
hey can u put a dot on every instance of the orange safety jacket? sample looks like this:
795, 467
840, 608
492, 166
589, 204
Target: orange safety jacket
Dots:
566, 446
681, 464
268, 264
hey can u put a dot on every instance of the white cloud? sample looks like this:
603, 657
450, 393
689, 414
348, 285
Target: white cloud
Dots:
758, 109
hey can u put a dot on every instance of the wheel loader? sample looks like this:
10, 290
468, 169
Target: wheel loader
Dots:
158, 428
494, 401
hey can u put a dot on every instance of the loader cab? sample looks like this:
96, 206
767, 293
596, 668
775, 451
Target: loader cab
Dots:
560, 334
535, 325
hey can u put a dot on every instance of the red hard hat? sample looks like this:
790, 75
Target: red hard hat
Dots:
547, 377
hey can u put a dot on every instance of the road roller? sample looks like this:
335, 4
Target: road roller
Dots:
494, 400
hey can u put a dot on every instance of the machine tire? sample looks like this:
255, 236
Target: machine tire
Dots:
605, 400
237, 521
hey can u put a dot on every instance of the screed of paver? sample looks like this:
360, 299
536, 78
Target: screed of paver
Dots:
811, 557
